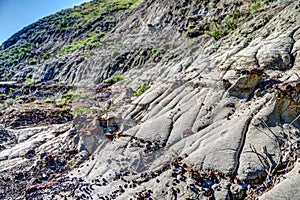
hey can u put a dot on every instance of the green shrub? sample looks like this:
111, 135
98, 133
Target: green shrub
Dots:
48, 100
9, 102
212, 5
217, 33
46, 56
90, 53
196, 32
266, 1
116, 51
69, 98
193, 42
256, 7
128, 56
36, 101
29, 82
117, 78
108, 81
111, 108
236, 15
227, 31
32, 61
230, 23
81, 111
66, 107
29, 75
11, 90
154, 51
141, 90
60, 101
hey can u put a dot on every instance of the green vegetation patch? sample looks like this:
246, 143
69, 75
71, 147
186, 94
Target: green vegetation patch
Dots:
15, 53
229, 24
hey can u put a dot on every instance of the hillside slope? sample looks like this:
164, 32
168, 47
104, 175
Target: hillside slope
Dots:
155, 99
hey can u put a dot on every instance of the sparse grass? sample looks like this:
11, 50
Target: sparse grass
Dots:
64, 25
89, 12
226, 27
81, 19
89, 42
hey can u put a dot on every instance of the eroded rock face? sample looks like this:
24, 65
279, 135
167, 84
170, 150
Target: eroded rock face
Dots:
220, 120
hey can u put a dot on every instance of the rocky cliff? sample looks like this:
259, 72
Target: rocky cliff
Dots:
137, 99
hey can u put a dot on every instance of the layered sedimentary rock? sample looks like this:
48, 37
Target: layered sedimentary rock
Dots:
207, 107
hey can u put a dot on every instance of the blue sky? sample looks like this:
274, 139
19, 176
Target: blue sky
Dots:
16, 14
